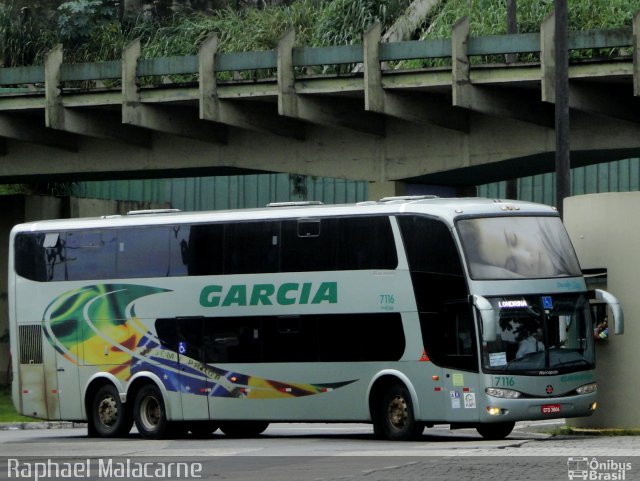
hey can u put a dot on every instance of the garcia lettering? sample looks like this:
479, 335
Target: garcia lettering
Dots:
286, 294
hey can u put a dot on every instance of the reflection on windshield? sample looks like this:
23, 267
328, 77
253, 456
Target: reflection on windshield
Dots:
517, 247
540, 332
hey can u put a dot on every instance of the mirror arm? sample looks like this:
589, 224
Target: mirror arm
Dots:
616, 309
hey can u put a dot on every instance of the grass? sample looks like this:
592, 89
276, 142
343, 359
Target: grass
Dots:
568, 430
8, 413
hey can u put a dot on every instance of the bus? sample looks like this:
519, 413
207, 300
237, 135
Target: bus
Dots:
405, 313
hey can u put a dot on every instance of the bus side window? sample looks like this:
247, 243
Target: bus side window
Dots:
40, 257
202, 249
252, 247
91, 254
449, 337
309, 245
143, 252
232, 339
366, 242
441, 292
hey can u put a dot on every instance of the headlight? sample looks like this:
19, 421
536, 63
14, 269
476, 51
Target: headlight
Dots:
587, 388
502, 393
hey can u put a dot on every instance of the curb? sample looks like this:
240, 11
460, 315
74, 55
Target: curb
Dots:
41, 425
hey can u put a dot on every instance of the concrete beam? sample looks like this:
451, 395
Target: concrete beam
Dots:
326, 111
25, 129
170, 120
603, 99
582, 96
258, 116
500, 102
412, 107
77, 121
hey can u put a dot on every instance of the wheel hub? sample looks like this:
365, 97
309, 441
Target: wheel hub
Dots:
150, 412
397, 412
108, 411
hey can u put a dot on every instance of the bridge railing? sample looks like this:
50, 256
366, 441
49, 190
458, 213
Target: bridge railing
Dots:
304, 57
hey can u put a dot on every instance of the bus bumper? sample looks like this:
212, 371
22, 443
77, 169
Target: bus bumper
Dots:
533, 409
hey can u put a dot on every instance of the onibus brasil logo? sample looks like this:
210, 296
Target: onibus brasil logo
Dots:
597, 469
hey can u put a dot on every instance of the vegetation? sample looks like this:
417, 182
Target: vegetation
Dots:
7, 411
571, 431
97, 30
93, 30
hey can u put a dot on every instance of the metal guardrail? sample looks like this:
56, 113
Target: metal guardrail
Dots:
313, 56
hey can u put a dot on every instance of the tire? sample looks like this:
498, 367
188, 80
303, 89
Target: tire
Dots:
202, 429
150, 414
394, 418
243, 429
494, 431
109, 418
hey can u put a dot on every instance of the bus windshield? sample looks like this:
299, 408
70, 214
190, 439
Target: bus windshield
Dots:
536, 333
517, 248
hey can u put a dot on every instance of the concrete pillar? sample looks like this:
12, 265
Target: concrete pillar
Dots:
605, 230
378, 190
15, 210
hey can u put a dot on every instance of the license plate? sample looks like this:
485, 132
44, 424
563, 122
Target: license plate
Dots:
550, 408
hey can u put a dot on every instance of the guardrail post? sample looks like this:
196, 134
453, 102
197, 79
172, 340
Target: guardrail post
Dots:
373, 91
53, 112
287, 98
208, 90
548, 58
636, 54
130, 95
460, 78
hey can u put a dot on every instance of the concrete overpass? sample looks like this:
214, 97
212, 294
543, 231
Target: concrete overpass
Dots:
473, 121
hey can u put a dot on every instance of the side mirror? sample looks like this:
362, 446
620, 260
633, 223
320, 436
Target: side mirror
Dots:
488, 316
613, 304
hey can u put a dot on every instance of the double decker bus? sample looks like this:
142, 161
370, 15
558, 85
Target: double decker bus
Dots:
404, 313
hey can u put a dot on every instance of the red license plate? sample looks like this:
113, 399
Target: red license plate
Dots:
550, 408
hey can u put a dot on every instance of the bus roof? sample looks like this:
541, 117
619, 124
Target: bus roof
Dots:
446, 208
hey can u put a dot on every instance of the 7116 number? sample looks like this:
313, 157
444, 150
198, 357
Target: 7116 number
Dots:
387, 299
504, 381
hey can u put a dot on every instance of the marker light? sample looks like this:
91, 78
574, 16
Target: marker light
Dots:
587, 388
594, 405
502, 393
495, 411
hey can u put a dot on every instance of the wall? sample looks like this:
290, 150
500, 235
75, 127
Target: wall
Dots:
605, 230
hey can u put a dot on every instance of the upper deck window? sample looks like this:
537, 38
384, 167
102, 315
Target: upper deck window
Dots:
517, 248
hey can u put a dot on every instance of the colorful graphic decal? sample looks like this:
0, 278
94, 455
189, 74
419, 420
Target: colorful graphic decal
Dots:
99, 322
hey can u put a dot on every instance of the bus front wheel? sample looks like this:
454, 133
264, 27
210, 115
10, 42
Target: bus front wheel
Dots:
149, 413
394, 419
494, 431
109, 418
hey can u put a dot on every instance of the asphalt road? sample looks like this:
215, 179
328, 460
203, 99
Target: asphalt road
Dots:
341, 452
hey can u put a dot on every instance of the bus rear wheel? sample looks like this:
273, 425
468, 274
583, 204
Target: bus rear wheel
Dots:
109, 418
394, 419
149, 413
494, 431
243, 429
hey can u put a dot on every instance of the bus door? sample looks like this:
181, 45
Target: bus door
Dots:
460, 363
195, 385
67, 372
